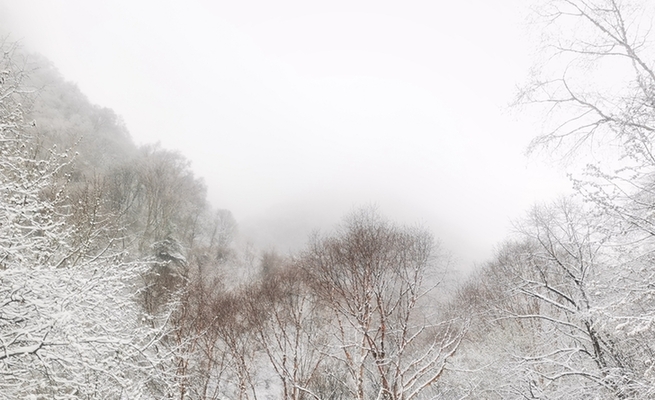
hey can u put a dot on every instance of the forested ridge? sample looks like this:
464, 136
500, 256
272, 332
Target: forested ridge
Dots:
119, 281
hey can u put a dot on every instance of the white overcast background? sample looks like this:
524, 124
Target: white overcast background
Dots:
296, 112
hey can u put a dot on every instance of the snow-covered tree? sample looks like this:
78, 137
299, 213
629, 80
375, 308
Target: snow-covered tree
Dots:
597, 83
70, 322
290, 327
372, 276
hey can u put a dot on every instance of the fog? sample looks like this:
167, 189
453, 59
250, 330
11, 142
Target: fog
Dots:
296, 113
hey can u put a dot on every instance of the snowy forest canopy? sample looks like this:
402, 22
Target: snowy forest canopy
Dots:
118, 280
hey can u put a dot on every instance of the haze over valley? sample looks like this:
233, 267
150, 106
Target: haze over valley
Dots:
349, 200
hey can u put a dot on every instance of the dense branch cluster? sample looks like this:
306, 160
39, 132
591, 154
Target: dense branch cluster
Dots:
68, 310
565, 310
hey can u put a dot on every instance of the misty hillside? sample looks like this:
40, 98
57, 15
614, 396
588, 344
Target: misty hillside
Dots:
118, 279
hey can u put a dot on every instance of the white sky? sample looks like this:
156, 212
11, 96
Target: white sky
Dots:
294, 112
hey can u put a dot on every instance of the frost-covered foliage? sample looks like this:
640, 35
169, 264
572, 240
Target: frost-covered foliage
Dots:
31, 227
561, 313
75, 332
71, 325
102, 244
566, 309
